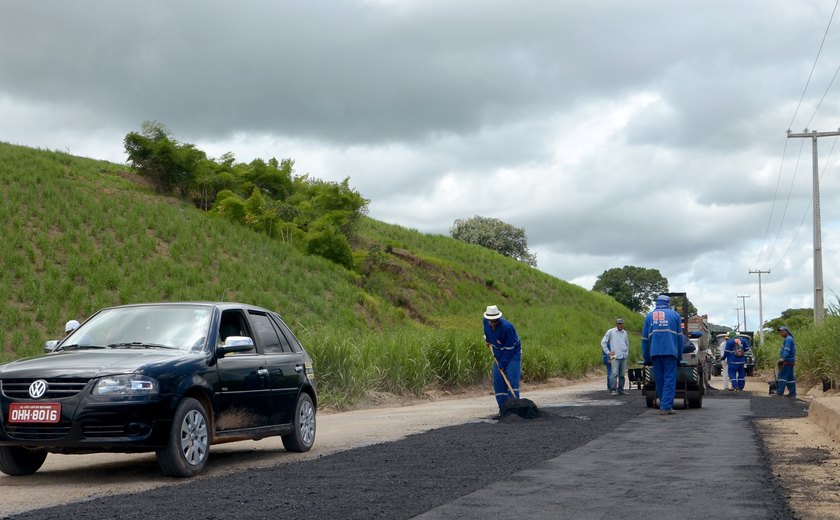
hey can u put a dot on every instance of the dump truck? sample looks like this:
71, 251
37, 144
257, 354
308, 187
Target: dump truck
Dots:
692, 372
700, 335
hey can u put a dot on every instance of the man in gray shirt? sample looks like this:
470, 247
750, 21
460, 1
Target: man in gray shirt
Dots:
616, 344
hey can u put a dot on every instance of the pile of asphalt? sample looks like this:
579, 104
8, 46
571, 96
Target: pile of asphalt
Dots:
391, 480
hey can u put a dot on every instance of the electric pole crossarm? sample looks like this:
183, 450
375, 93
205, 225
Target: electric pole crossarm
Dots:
813, 134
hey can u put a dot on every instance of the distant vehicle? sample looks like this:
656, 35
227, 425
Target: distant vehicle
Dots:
173, 378
698, 332
749, 356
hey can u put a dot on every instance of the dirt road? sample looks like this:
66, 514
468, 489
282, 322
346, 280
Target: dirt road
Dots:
399, 479
72, 478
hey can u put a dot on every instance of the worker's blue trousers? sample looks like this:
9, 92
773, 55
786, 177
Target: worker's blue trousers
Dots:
665, 377
786, 379
737, 374
513, 370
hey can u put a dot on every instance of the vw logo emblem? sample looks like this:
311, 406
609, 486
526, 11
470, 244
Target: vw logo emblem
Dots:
37, 389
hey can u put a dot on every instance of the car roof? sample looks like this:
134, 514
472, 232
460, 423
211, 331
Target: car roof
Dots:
220, 305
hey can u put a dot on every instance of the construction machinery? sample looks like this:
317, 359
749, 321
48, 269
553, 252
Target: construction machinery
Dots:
694, 367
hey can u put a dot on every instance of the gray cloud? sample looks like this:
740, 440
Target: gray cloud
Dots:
647, 133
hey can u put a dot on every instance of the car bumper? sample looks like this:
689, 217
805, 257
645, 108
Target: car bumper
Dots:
94, 425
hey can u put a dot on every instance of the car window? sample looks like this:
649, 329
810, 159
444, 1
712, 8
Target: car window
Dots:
267, 334
233, 323
291, 342
170, 326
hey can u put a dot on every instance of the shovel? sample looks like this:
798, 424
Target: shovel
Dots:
773, 385
524, 408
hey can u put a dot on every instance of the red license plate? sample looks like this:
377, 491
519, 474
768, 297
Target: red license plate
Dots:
34, 412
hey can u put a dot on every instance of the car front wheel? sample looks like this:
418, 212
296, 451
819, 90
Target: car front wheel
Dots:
187, 450
304, 422
17, 461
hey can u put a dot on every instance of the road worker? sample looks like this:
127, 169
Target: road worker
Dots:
734, 350
501, 336
662, 347
787, 358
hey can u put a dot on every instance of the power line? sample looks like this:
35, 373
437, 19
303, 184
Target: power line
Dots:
787, 203
790, 125
805, 214
773, 206
823, 97
814, 66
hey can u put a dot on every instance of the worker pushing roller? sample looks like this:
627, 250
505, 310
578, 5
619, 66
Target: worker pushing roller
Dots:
662, 347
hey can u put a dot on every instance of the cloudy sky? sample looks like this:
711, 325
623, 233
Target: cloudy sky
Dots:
645, 132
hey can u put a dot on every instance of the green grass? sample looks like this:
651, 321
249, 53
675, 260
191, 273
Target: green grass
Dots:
81, 234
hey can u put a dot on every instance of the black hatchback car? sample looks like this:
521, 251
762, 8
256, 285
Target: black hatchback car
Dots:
172, 378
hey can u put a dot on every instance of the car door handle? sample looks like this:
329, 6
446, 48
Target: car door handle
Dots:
263, 372
300, 369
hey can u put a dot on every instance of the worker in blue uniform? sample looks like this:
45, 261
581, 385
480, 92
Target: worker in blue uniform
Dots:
787, 359
734, 352
662, 347
501, 336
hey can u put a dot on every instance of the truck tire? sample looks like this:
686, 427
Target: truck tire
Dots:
650, 399
694, 399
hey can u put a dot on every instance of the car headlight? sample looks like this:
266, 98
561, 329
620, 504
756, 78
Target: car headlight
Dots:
126, 385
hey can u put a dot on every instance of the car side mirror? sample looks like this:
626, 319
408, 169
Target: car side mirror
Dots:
50, 345
235, 344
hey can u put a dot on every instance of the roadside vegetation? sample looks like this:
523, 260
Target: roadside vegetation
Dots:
404, 316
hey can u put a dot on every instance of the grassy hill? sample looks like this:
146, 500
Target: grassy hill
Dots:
80, 234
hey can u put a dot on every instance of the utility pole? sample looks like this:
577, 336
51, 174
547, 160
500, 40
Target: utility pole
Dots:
760, 305
738, 312
819, 306
744, 302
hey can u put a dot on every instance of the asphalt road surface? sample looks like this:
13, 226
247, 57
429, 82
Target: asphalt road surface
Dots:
593, 457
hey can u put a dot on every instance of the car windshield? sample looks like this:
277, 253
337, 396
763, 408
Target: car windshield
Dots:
182, 327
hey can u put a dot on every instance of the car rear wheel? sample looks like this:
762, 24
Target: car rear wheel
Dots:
304, 422
189, 441
17, 461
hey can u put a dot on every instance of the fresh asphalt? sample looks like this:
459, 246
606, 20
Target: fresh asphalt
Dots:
593, 457
697, 464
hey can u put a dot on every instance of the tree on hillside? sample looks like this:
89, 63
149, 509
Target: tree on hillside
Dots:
634, 287
677, 304
494, 234
794, 319
314, 215
170, 165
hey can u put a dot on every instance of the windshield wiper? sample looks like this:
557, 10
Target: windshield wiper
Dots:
77, 347
140, 344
